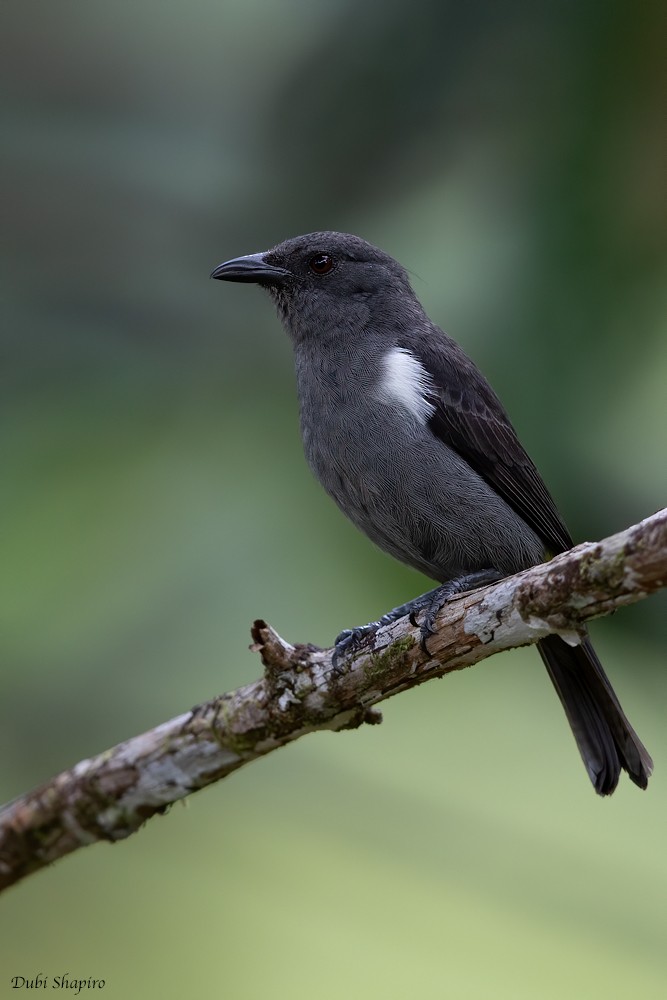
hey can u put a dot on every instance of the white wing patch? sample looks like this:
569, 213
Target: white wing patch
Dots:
406, 382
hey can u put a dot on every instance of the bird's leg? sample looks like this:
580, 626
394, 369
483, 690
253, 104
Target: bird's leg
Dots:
350, 639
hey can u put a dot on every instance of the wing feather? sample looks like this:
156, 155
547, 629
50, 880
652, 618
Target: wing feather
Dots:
470, 419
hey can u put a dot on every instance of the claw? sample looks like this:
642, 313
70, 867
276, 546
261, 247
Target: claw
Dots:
343, 637
347, 642
426, 631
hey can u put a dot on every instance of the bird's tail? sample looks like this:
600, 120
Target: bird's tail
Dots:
606, 740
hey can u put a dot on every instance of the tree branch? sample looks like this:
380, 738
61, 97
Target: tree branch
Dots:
110, 796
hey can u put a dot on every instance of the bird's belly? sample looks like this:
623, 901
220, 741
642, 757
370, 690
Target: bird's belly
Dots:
422, 504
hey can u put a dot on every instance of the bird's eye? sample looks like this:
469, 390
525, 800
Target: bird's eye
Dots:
321, 263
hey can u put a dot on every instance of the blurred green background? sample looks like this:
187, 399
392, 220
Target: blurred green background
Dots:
154, 498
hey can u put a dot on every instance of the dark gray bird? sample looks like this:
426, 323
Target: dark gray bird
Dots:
409, 439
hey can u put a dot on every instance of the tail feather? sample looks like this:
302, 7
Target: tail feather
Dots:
606, 740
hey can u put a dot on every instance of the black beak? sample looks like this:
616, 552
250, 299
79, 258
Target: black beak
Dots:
252, 268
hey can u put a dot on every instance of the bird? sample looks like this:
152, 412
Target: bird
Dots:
409, 439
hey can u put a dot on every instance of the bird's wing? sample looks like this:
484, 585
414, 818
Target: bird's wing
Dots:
469, 418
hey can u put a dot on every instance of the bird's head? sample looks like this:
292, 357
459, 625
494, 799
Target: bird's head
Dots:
323, 280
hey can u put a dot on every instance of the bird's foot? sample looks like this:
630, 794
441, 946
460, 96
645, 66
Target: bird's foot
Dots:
351, 640
432, 602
